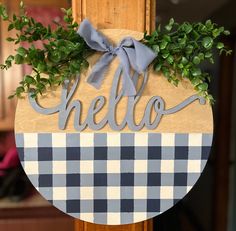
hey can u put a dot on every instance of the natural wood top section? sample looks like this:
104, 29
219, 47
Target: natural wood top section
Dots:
193, 118
138, 15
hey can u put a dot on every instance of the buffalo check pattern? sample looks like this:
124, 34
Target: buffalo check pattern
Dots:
113, 178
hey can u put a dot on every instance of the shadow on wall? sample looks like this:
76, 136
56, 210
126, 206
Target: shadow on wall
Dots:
13, 182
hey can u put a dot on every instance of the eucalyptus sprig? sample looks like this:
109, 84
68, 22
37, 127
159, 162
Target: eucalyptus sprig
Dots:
181, 48
62, 57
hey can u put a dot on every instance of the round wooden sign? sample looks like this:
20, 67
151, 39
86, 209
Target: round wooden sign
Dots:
106, 158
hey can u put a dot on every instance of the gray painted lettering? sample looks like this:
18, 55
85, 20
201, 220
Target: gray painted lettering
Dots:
156, 103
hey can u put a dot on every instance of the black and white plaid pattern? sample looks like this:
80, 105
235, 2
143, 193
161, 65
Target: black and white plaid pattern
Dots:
113, 178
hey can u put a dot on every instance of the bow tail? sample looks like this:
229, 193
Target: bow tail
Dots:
97, 75
128, 85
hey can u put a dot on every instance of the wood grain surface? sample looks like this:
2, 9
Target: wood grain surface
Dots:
140, 226
193, 118
136, 15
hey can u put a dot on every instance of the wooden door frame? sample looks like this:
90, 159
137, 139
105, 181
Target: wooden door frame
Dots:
149, 23
149, 15
222, 140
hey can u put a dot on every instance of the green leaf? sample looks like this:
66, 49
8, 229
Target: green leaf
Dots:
67, 19
44, 80
165, 54
75, 24
229, 52
168, 27
210, 99
166, 71
195, 34
196, 60
189, 49
154, 34
10, 58
23, 38
42, 67
211, 60
220, 45
184, 61
175, 82
38, 78
20, 90
19, 59
10, 27
208, 23
11, 96
172, 21
54, 56
182, 41
180, 65
221, 29
18, 25
187, 28
196, 71
3, 13
14, 17
22, 51
185, 72
2, 67
69, 12
202, 86
156, 48
29, 80
40, 86
36, 36
167, 38
208, 55
195, 81
226, 32
216, 32
202, 28
170, 59
201, 56
163, 45
157, 67
9, 39
207, 42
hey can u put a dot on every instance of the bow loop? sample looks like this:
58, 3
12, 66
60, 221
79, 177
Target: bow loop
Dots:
132, 54
92, 37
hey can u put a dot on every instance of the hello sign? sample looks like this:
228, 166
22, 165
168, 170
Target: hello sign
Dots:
122, 153
156, 103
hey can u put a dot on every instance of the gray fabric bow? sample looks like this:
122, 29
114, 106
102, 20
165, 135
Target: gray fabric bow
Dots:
130, 52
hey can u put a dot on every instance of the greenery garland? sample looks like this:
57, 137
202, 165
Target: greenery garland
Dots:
181, 48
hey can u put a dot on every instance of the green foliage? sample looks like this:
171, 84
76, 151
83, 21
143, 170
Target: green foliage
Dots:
181, 48
63, 55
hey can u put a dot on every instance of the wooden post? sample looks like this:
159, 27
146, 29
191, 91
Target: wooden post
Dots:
138, 15
222, 141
